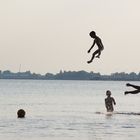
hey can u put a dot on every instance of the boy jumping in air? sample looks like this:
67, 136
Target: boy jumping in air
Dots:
98, 42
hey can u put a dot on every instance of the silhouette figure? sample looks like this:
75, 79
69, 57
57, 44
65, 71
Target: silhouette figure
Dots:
134, 91
21, 113
99, 44
109, 101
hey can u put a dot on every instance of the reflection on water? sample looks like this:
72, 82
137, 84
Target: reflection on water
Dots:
67, 110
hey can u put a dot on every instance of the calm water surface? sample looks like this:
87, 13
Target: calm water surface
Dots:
66, 110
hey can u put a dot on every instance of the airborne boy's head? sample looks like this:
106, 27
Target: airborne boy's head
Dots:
92, 34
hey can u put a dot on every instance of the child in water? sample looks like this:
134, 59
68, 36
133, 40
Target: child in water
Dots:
109, 101
98, 42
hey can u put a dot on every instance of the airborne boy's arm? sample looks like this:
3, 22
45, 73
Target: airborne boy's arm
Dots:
91, 46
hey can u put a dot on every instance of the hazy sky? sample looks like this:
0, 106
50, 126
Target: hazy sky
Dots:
52, 35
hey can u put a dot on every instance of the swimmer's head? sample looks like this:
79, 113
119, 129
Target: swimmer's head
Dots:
108, 92
21, 113
92, 34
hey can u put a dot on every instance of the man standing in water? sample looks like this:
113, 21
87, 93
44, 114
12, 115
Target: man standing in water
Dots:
109, 101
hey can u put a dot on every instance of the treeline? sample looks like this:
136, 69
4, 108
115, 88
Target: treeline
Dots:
71, 75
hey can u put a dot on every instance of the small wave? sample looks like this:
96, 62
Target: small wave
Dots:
128, 127
128, 113
122, 113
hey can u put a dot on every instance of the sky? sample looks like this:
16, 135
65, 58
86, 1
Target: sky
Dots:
52, 35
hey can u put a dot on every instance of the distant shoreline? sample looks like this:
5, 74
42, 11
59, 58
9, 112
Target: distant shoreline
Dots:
71, 75
68, 80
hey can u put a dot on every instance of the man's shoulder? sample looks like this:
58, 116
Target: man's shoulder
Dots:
97, 38
106, 99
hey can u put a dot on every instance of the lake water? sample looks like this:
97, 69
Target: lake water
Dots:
66, 110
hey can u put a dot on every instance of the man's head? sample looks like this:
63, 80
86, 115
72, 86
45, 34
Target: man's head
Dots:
92, 34
21, 113
108, 93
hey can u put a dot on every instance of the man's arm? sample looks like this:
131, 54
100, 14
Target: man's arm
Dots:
102, 45
91, 47
114, 101
106, 104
